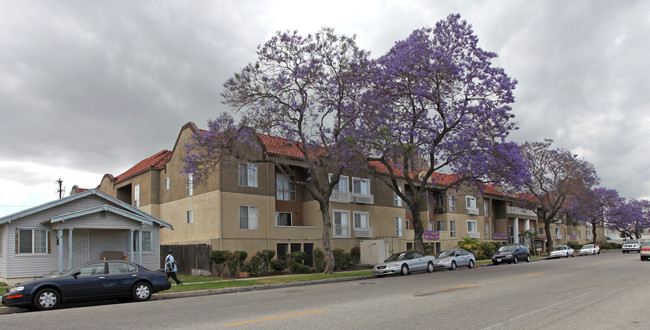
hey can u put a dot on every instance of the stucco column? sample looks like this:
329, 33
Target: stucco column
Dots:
59, 241
131, 246
515, 229
70, 249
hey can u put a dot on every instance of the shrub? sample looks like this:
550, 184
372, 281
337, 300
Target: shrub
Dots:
278, 265
319, 260
295, 260
429, 249
266, 256
220, 257
610, 246
301, 269
575, 246
342, 259
355, 254
254, 265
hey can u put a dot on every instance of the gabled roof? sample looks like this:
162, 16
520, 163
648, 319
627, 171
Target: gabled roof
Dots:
157, 161
97, 209
126, 208
280, 146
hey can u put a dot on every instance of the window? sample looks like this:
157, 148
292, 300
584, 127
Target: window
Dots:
398, 227
452, 228
541, 230
430, 225
189, 184
441, 225
470, 202
166, 183
407, 225
341, 224
283, 219
147, 240
93, 269
285, 188
343, 185
248, 217
361, 186
440, 200
487, 231
136, 195
190, 216
248, 175
361, 220
397, 201
579, 233
452, 203
33, 241
282, 251
485, 208
557, 231
121, 268
471, 226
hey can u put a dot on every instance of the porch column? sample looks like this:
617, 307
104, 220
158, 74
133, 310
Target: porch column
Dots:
140, 247
131, 246
70, 259
515, 229
59, 241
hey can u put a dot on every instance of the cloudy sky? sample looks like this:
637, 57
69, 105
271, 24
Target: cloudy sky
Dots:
93, 87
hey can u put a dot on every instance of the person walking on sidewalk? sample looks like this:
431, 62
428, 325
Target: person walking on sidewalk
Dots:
170, 266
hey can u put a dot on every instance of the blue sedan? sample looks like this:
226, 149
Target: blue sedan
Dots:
97, 280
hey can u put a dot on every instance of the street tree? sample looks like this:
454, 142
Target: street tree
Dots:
556, 175
438, 103
590, 206
629, 218
305, 90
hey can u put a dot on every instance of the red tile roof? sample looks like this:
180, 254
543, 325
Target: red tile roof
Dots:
280, 146
157, 161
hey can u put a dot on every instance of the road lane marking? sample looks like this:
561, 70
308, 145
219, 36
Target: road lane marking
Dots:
458, 287
274, 317
535, 274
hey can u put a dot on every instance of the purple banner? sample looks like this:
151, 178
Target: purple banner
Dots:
500, 236
431, 234
573, 237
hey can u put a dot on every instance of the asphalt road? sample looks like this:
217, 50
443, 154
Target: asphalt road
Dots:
608, 291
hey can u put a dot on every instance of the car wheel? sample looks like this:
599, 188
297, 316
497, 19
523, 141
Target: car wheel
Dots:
528, 258
46, 299
471, 264
405, 270
495, 263
141, 291
515, 260
430, 267
573, 255
453, 266
380, 276
642, 258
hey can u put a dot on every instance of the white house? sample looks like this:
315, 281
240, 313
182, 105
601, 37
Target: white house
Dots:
57, 236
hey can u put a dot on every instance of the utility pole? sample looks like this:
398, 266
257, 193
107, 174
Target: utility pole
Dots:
60, 190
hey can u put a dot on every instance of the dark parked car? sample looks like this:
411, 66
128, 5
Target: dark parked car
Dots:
93, 281
511, 253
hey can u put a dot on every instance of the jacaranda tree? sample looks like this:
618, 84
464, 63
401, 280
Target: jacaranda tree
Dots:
306, 90
629, 218
556, 176
590, 206
438, 103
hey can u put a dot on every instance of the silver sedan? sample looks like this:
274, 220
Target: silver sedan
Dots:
404, 263
454, 258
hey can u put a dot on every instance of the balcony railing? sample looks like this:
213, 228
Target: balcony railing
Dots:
363, 198
474, 234
472, 210
341, 197
520, 211
362, 232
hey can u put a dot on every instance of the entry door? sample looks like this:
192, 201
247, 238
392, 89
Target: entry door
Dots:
80, 247
511, 235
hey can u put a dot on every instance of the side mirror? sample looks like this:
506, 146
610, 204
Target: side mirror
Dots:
76, 274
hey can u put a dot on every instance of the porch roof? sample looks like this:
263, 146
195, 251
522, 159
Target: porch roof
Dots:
97, 209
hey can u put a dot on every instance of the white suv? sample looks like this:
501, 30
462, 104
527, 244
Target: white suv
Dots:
632, 245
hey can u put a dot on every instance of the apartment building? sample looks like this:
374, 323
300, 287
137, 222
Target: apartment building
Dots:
254, 206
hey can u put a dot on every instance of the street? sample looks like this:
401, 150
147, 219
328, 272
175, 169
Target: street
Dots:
607, 291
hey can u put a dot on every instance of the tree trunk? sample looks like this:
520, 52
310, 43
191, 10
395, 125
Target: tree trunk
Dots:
327, 228
549, 239
419, 231
593, 227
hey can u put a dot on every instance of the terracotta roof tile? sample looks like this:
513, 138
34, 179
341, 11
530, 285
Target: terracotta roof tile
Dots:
157, 161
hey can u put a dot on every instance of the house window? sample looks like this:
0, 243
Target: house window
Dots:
342, 185
283, 219
167, 183
248, 175
361, 186
397, 201
33, 241
470, 202
439, 199
285, 189
190, 216
136, 195
430, 225
361, 220
248, 217
471, 226
452, 203
407, 225
487, 231
557, 231
399, 232
341, 224
541, 230
282, 251
485, 208
452, 228
579, 233
189, 184
441, 225
147, 240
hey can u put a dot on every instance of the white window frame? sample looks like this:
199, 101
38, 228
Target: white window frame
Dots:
189, 184
252, 219
337, 186
540, 230
362, 224
399, 229
166, 183
474, 226
148, 248
486, 227
470, 202
407, 225
430, 225
277, 219
136, 195
486, 208
343, 225
444, 225
452, 228
33, 230
190, 216
250, 169
397, 201
362, 183
452, 203
285, 189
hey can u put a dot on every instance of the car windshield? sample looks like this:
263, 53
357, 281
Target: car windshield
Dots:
507, 248
632, 242
397, 256
446, 254
588, 246
559, 248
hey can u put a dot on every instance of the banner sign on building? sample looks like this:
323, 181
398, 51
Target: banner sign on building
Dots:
573, 237
431, 234
500, 236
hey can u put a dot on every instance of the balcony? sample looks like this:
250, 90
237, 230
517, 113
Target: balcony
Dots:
559, 236
472, 210
474, 234
341, 196
520, 211
363, 198
362, 232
